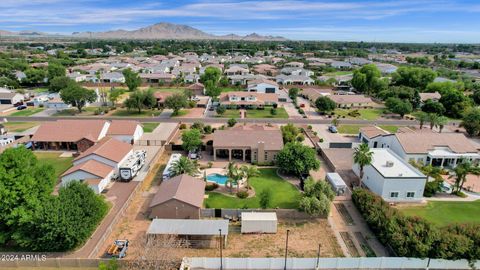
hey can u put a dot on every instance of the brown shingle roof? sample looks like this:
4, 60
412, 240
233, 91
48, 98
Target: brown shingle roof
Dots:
108, 148
248, 138
69, 131
182, 188
122, 127
413, 142
93, 167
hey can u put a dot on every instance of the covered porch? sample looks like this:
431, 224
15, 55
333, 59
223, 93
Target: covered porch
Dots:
444, 158
243, 154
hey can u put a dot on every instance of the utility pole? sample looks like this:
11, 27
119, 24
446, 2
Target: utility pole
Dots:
286, 251
221, 244
318, 255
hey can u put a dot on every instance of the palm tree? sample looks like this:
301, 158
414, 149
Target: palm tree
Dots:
422, 117
441, 122
335, 122
363, 157
249, 171
433, 119
463, 169
185, 166
232, 172
431, 172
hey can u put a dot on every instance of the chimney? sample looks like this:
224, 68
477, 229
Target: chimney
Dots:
261, 152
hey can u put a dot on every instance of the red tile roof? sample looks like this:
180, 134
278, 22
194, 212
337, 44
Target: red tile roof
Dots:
93, 167
108, 148
69, 131
182, 188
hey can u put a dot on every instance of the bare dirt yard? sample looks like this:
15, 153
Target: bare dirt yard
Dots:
304, 237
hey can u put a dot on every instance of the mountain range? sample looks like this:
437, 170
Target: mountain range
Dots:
152, 32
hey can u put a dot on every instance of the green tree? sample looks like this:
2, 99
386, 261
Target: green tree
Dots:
135, 101
176, 102
398, 106
34, 76
249, 172
422, 117
455, 103
185, 166
77, 96
444, 87
231, 122
211, 89
59, 83
414, 77
471, 121
431, 106
221, 110
325, 104
56, 225
55, 70
362, 156
316, 198
132, 79
289, 133
191, 139
366, 79
293, 93
212, 74
460, 173
441, 122
114, 95
296, 158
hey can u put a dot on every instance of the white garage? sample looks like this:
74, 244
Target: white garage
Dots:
258, 222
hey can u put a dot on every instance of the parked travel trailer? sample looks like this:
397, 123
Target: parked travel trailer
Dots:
167, 172
130, 168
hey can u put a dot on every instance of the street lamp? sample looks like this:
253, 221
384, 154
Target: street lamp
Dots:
286, 251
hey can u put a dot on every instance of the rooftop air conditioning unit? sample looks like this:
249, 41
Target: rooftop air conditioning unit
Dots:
389, 163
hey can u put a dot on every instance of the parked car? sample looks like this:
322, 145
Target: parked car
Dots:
18, 104
332, 129
21, 107
302, 105
194, 155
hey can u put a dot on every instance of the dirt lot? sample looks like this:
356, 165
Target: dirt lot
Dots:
303, 240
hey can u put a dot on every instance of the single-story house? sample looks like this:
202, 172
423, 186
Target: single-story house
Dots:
157, 77
247, 99
256, 144
294, 79
262, 86
112, 77
108, 151
56, 103
391, 177
125, 130
352, 101
198, 89
96, 174
181, 197
433, 96
11, 98
313, 93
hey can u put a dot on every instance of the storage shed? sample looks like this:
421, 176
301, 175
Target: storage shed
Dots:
338, 185
259, 222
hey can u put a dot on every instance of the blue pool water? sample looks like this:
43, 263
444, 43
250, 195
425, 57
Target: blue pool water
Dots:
217, 178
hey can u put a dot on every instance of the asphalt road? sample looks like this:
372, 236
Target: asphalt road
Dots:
218, 120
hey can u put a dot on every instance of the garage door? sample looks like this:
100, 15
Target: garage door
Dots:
5, 101
270, 90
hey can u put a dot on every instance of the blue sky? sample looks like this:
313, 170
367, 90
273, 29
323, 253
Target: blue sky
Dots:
350, 20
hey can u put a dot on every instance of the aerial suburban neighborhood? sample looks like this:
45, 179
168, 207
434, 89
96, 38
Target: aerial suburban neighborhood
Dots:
170, 148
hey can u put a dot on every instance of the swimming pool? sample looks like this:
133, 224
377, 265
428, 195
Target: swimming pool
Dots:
217, 178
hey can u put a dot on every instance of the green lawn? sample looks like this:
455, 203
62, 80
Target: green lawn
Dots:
180, 113
349, 129
444, 213
60, 164
355, 129
134, 113
254, 113
230, 89
19, 126
364, 114
149, 127
27, 112
87, 111
284, 194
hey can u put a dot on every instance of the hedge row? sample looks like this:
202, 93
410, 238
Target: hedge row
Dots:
414, 236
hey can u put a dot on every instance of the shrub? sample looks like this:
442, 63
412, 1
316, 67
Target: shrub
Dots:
208, 129
242, 194
211, 186
231, 122
265, 198
183, 126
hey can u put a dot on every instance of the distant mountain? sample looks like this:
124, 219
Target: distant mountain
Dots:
23, 33
168, 31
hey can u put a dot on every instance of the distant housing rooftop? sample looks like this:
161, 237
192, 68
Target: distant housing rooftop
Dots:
389, 164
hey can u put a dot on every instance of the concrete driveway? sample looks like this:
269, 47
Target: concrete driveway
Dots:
292, 111
322, 131
310, 111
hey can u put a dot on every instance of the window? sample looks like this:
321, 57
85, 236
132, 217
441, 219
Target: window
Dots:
393, 194
410, 194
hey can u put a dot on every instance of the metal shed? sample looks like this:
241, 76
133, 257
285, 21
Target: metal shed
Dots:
197, 233
337, 183
259, 222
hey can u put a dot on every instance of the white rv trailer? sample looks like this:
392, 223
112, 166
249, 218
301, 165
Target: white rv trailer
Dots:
130, 168
167, 172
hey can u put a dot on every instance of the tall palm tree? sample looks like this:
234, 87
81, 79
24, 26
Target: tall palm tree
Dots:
431, 172
441, 122
422, 117
185, 166
433, 119
249, 171
232, 171
363, 157
463, 169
